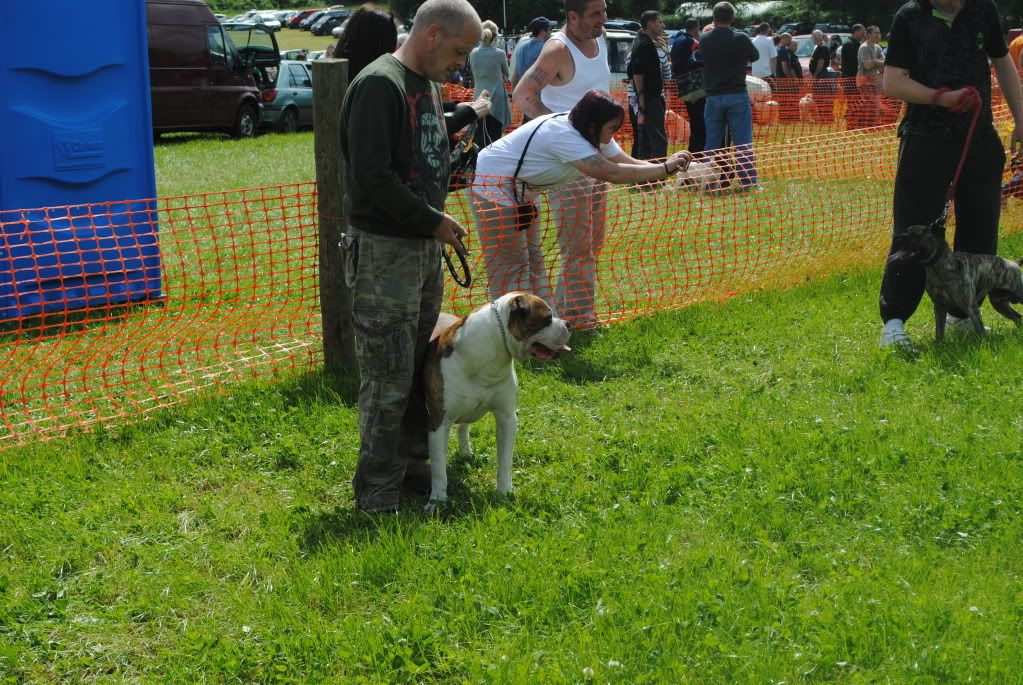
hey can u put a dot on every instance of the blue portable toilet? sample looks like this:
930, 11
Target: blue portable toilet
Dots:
76, 141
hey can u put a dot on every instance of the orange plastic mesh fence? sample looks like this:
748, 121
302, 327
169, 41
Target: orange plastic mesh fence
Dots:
239, 299
234, 294
783, 108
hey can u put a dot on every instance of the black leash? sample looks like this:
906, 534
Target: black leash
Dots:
969, 100
466, 281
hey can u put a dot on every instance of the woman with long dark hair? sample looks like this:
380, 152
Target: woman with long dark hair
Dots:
553, 150
368, 33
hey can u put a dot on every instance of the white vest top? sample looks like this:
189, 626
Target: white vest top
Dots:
590, 74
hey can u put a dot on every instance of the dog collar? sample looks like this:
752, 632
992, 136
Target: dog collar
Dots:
500, 324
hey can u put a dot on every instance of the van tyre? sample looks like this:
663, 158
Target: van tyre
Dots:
289, 121
245, 124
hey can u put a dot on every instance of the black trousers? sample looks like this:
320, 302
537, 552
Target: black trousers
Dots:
926, 167
638, 139
655, 140
697, 126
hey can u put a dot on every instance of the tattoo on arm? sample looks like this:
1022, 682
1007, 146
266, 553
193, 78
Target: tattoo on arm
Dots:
531, 85
539, 77
527, 92
594, 165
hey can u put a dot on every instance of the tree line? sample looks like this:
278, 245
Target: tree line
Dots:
515, 14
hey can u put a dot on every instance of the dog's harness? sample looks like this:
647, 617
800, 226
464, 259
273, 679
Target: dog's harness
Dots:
500, 324
970, 100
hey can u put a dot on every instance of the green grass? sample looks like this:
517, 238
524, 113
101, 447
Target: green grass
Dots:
746, 492
291, 39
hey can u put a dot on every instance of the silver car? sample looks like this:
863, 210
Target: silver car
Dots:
287, 96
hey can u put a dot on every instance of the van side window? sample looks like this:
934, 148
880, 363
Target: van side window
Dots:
218, 52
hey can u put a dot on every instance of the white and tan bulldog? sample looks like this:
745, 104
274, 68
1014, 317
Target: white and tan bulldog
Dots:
470, 371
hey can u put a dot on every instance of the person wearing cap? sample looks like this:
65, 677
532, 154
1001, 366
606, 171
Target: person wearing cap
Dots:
941, 96
526, 53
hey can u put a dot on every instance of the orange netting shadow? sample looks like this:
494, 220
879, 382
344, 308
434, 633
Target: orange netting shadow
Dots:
114, 310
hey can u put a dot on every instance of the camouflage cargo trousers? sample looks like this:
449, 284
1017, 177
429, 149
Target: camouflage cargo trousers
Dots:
397, 287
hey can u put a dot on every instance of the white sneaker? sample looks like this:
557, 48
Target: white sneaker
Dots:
894, 335
954, 323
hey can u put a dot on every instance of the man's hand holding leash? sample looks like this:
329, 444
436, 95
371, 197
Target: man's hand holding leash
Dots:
482, 104
450, 232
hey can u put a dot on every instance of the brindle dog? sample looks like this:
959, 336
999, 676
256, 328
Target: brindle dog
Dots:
959, 281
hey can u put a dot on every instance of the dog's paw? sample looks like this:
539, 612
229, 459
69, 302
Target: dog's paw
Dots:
435, 506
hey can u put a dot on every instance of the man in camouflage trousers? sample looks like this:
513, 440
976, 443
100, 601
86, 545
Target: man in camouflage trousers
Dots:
395, 166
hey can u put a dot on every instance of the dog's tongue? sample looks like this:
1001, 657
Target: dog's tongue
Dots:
897, 256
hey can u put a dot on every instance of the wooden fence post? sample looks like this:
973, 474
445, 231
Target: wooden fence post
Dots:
330, 83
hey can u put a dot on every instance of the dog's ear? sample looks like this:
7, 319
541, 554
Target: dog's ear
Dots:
519, 303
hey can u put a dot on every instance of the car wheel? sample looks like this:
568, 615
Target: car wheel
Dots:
289, 121
245, 124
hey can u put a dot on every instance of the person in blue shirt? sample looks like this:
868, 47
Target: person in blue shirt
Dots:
540, 31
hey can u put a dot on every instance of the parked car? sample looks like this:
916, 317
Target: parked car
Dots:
201, 71
796, 28
308, 22
805, 48
287, 95
267, 19
833, 28
330, 20
619, 49
622, 25
300, 17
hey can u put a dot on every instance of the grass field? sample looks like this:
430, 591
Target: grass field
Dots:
738, 492
290, 39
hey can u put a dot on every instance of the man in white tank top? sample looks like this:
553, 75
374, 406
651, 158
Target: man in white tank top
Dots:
573, 62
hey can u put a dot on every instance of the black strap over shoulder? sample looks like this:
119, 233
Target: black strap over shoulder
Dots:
522, 158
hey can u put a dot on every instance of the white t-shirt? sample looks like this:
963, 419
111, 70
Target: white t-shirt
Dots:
547, 161
765, 46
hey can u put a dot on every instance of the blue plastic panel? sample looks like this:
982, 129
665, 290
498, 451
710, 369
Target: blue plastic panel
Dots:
77, 129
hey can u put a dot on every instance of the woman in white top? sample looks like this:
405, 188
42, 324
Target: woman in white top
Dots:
551, 151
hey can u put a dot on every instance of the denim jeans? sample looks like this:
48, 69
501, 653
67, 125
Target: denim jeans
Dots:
734, 112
